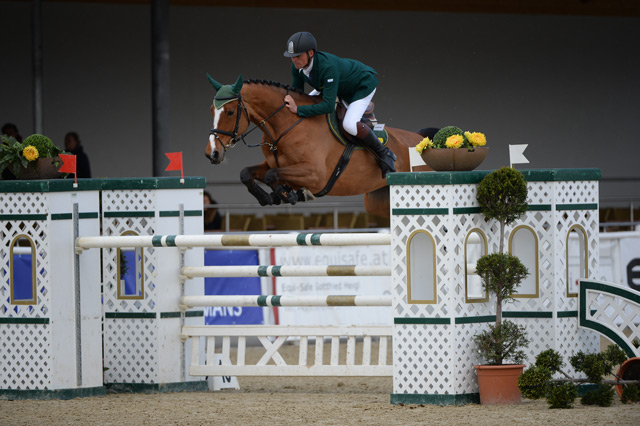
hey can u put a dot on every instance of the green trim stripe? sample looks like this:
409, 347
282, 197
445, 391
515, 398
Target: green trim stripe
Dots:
539, 207
527, 314
418, 211
275, 301
130, 214
130, 315
568, 314
170, 241
193, 386
262, 301
23, 217
452, 178
187, 314
587, 206
466, 210
49, 394
176, 213
61, 216
445, 321
275, 271
156, 240
20, 320
421, 398
475, 319
69, 216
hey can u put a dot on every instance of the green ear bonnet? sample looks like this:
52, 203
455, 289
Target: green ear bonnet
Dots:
226, 93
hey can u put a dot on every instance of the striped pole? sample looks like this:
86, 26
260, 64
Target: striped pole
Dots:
298, 301
285, 271
235, 240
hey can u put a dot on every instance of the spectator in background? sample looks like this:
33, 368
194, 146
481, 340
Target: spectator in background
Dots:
212, 219
11, 129
72, 145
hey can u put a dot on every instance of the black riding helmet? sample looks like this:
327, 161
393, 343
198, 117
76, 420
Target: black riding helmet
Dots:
300, 43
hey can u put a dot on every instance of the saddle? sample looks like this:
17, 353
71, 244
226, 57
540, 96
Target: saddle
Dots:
350, 142
368, 117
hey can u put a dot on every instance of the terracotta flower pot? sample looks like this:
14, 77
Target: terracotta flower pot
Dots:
498, 384
629, 370
44, 168
450, 159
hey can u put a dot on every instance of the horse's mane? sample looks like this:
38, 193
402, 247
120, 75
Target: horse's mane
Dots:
276, 84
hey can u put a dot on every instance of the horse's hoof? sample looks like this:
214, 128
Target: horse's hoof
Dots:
275, 199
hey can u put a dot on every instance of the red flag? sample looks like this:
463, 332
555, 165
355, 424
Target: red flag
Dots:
69, 163
175, 163
69, 166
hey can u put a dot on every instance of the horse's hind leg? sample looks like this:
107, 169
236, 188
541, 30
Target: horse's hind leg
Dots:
377, 202
248, 177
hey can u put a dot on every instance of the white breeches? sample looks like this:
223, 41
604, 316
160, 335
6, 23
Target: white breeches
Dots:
355, 110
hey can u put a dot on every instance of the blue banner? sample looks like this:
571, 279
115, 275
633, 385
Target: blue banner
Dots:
227, 315
22, 277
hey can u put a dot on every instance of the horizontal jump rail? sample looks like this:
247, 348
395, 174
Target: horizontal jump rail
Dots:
234, 240
298, 301
285, 271
357, 361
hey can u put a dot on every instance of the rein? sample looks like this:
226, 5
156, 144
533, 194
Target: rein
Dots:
234, 134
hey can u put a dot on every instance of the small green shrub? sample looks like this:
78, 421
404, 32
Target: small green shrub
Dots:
603, 396
502, 195
534, 382
43, 144
502, 342
562, 395
630, 393
550, 360
501, 274
441, 136
594, 366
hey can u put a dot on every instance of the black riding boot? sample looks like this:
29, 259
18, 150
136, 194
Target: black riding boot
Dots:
386, 158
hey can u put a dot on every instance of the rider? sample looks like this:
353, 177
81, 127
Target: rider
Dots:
353, 82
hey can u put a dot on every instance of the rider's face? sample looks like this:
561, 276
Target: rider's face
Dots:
301, 61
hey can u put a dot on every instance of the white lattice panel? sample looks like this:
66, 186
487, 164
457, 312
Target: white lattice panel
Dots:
25, 356
24, 203
422, 359
130, 350
615, 313
38, 232
417, 344
128, 200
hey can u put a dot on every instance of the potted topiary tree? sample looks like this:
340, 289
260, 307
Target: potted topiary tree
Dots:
502, 196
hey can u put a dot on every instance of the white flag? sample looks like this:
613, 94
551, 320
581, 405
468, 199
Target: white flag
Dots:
516, 154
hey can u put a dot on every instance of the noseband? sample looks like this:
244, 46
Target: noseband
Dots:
234, 134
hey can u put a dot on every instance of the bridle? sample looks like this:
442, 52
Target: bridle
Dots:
235, 137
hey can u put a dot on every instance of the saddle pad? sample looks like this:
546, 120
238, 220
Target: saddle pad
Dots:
382, 135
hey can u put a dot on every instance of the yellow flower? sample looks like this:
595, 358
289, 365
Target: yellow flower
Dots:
30, 152
424, 144
476, 138
454, 141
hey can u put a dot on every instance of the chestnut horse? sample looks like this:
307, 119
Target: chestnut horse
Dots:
300, 154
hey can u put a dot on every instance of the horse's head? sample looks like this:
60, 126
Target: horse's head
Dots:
229, 125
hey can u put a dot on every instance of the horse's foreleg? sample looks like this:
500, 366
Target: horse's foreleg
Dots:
248, 177
279, 180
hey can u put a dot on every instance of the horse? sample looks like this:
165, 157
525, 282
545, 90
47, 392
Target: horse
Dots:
300, 154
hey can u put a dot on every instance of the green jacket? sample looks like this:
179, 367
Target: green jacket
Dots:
346, 79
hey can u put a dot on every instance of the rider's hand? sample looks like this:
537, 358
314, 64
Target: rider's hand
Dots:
291, 104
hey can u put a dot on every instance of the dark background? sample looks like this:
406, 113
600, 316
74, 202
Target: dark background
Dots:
562, 76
